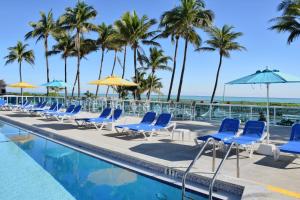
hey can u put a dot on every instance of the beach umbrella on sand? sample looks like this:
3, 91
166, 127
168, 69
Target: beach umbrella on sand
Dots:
114, 81
266, 77
22, 85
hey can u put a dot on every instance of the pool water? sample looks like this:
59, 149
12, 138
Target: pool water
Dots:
86, 177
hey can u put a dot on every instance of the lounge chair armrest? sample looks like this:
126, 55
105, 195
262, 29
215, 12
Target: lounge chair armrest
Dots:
171, 126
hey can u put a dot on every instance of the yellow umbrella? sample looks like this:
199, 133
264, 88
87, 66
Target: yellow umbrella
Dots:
22, 85
114, 81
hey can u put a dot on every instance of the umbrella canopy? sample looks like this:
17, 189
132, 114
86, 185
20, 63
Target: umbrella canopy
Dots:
56, 84
266, 77
114, 81
22, 85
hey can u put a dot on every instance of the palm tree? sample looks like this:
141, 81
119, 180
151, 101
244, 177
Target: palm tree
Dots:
115, 45
170, 29
289, 21
105, 32
188, 16
42, 30
19, 53
223, 41
151, 84
65, 46
77, 19
137, 31
156, 61
86, 46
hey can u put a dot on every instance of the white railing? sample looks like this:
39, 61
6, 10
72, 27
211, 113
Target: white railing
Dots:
183, 110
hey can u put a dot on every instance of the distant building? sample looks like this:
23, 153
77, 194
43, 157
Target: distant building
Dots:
2, 87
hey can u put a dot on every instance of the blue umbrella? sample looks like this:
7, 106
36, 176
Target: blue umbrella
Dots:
56, 84
266, 77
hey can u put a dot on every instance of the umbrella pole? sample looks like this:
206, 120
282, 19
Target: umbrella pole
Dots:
268, 113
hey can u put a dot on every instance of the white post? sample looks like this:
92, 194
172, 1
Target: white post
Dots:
268, 114
224, 93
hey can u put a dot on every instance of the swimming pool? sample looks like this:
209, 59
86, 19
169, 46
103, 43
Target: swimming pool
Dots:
86, 177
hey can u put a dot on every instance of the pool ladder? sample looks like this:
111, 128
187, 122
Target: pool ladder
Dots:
211, 186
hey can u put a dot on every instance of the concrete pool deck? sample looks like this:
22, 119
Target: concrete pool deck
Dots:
275, 179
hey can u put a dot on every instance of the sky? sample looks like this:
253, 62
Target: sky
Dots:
264, 47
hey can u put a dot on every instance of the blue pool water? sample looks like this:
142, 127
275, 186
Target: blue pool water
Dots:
86, 177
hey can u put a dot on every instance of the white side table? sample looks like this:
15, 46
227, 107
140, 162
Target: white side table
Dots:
181, 132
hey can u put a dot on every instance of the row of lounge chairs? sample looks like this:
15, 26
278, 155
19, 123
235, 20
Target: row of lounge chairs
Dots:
252, 134
253, 131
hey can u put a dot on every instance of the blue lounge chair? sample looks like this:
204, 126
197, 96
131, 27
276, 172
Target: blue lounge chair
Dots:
99, 123
54, 108
71, 115
253, 133
293, 146
228, 130
57, 114
162, 123
104, 115
23, 106
148, 119
2, 103
41, 107
40, 110
27, 108
16, 106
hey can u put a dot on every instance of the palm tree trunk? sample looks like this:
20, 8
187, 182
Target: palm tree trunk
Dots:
151, 85
20, 74
136, 94
78, 62
124, 63
66, 89
47, 64
174, 69
112, 71
100, 70
217, 79
74, 85
182, 71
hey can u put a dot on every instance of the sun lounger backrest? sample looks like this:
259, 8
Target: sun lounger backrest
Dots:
230, 125
148, 118
43, 104
254, 129
105, 113
117, 114
53, 106
2, 102
163, 119
295, 135
58, 107
76, 109
70, 108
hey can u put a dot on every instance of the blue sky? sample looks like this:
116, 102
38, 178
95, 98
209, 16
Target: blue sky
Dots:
264, 47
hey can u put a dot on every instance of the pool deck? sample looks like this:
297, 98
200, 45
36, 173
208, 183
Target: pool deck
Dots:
262, 177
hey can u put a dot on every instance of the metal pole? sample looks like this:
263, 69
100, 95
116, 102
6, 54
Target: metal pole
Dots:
268, 113
214, 156
224, 93
237, 161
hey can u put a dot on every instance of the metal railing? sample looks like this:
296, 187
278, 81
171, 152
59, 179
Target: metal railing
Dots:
187, 110
183, 196
212, 183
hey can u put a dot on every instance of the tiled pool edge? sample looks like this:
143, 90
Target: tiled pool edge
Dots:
160, 171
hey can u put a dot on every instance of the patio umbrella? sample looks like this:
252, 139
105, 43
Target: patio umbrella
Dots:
266, 77
22, 85
114, 81
56, 85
